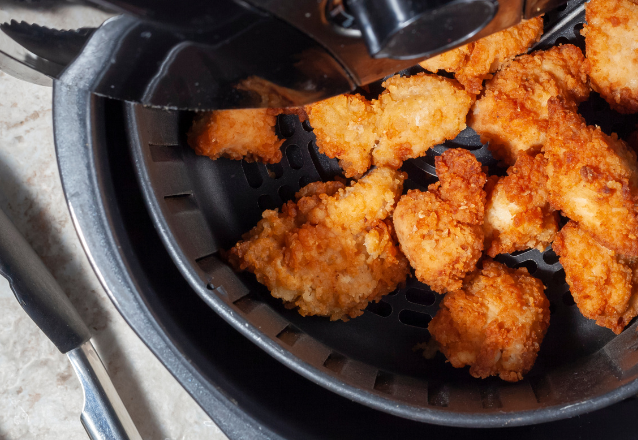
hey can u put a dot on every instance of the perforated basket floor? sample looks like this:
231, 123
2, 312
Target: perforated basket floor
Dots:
200, 206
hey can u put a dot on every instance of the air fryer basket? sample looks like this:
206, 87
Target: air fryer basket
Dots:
201, 206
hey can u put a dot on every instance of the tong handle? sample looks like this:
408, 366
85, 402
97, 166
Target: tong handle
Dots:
104, 416
37, 291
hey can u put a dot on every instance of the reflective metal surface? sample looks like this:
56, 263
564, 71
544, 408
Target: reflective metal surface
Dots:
245, 58
104, 415
30, 44
224, 54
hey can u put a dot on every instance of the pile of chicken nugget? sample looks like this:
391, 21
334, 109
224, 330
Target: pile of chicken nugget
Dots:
338, 247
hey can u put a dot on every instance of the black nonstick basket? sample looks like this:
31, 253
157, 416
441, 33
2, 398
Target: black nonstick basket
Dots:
200, 207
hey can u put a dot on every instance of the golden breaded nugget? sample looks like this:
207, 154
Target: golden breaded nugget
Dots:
345, 128
495, 324
450, 61
611, 40
593, 179
237, 134
440, 231
416, 113
475, 61
604, 284
333, 250
512, 115
518, 215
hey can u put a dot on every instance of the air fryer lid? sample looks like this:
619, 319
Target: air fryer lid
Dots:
200, 206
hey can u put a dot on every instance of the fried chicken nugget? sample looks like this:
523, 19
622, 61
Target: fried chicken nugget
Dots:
495, 324
333, 250
518, 214
440, 231
345, 128
416, 113
593, 179
475, 61
604, 284
611, 36
512, 115
247, 134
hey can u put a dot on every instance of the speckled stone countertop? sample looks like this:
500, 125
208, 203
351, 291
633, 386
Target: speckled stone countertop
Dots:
40, 397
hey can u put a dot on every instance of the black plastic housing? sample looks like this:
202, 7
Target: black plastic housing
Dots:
145, 255
249, 394
202, 207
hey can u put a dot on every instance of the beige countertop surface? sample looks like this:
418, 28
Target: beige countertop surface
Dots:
40, 397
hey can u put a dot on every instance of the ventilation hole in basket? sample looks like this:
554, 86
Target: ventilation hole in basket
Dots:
394, 292
530, 265
306, 125
559, 277
414, 319
541, 388
418, 178
381, 308
619, 127
251, 171
562, 40
327, 168
180, 203
468, 139
490, 398
578, 27
210, 286
305, 180
289, 335
599, 105
383, 382
335, 362
550, 257
165, 153
247, 304
568, 299
286, 193
438, 395
286, 125
295, 157
275, 170
266, 202
422, 297
430, 157
561, 8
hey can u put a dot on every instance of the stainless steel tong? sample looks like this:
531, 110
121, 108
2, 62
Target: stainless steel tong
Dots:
104, 416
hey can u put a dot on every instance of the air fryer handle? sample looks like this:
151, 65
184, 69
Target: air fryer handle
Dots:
37, 291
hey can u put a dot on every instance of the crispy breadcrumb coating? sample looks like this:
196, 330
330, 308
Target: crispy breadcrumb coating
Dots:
495, 324
611, 40
518, 215
333, 250
345, 128
450, 61
512, 115
593, 179
604, 284
475, 61
416, 113
247, 134
440, 231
